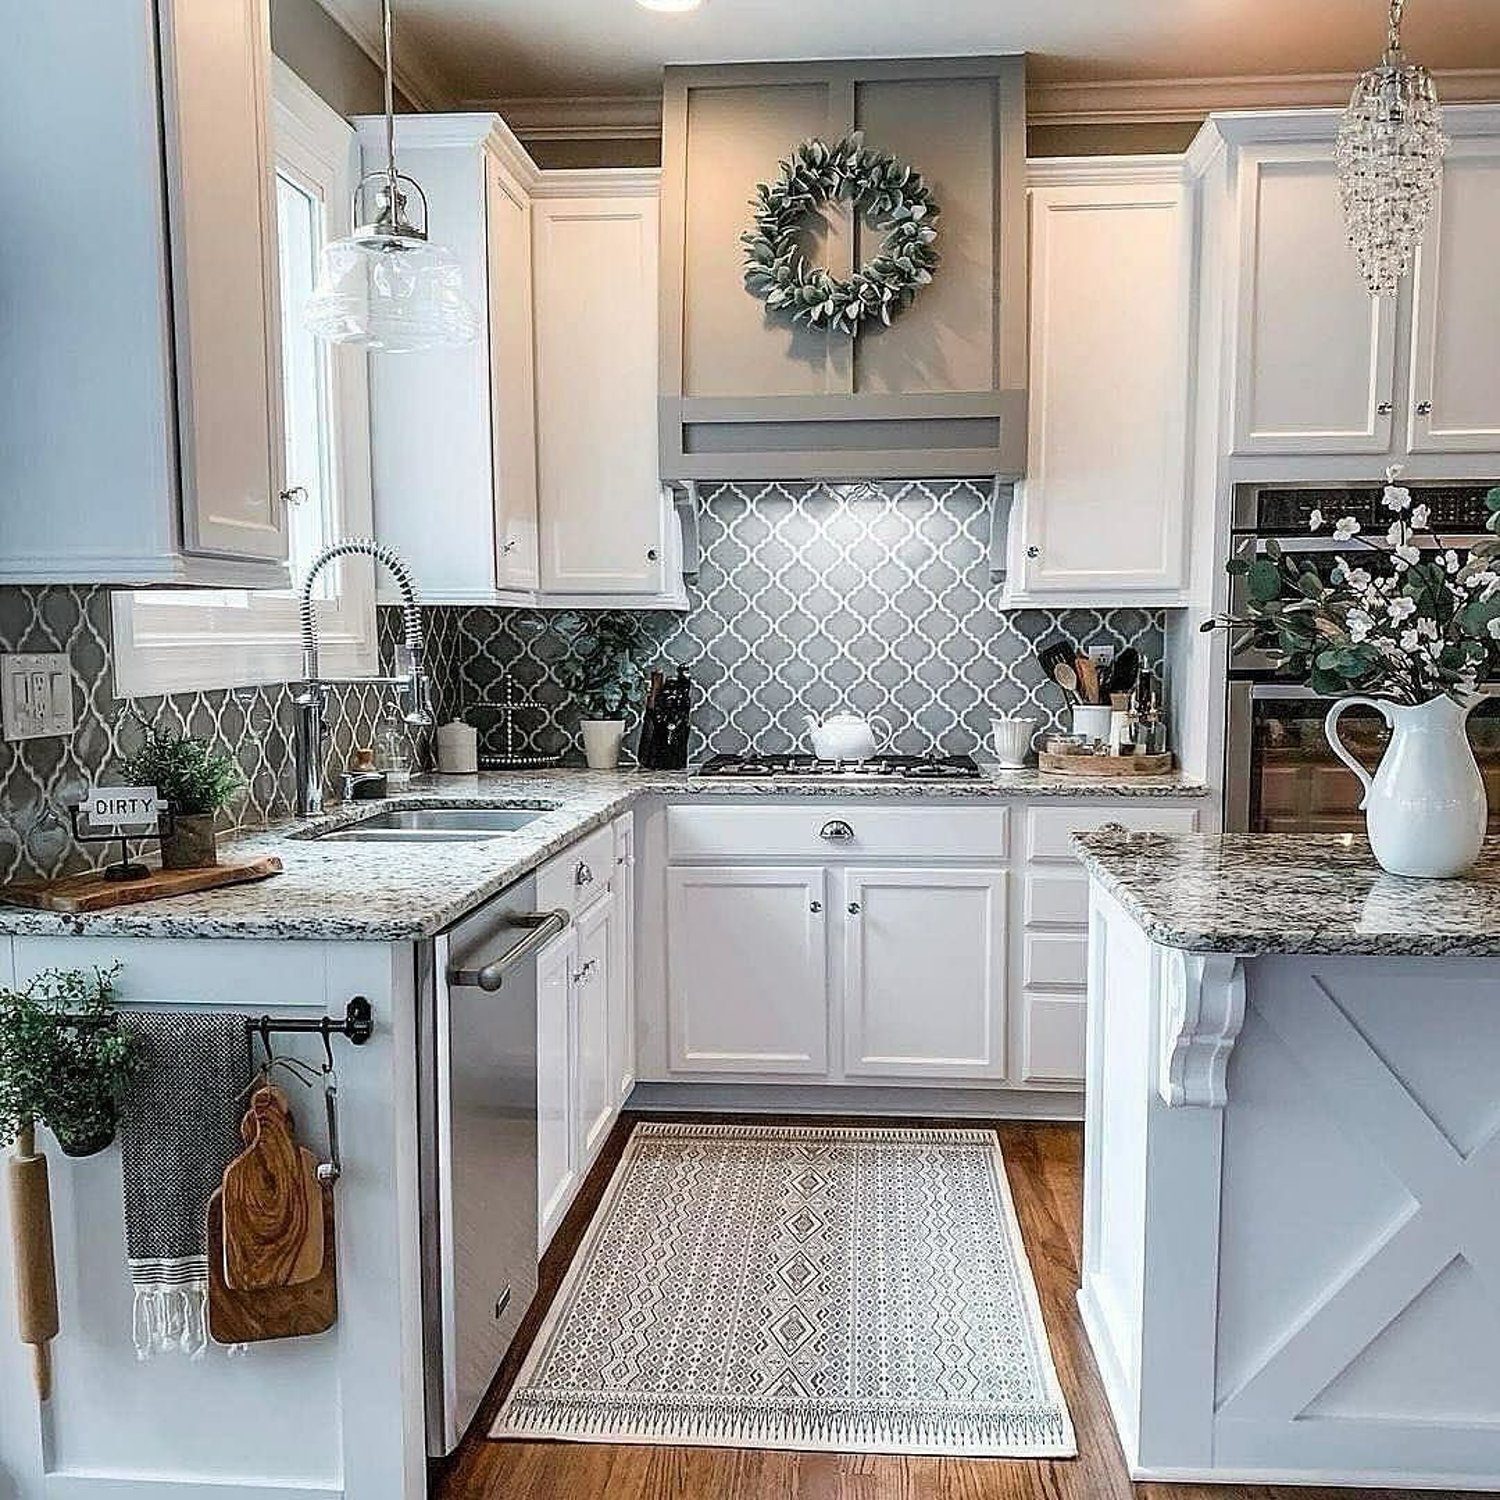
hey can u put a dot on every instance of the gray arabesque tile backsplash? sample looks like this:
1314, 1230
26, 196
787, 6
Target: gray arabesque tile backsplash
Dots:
805, 600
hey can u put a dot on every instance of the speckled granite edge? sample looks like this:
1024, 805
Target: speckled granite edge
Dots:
389, 892
1260, 894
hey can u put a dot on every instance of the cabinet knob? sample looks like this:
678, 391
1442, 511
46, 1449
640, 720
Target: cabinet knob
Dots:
583, 975
650, 554
294, 494
1384, 409
1033, 551
1424, 408
815, 907
583, 875
836, 831
854, 908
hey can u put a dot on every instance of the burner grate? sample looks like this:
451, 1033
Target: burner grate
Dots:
881, 767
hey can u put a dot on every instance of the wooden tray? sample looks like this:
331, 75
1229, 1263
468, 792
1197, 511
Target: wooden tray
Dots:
1104, 765
92, 892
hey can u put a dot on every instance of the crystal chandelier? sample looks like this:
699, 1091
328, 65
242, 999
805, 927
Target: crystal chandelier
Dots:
386, 286
1390, 159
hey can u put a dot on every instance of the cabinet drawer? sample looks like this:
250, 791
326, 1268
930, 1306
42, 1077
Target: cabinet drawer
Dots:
1057, 958
579, 875
1048, 829
1057, 900
1054, 1045
812, 831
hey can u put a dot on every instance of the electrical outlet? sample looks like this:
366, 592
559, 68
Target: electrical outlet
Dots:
1103, 655
36, 694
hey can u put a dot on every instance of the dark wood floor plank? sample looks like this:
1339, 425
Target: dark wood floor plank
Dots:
1044, 1165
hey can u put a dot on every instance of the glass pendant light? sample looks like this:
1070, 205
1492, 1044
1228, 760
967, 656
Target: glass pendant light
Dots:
387, 286
1389, 155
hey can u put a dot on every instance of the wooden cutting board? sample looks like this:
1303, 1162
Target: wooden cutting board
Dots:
92, 892
281, 1312
272, 1202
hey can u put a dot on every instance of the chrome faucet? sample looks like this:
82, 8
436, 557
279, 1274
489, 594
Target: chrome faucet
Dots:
311, 703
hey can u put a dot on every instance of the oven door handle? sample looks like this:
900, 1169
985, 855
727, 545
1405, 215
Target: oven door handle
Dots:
1244, 545
541, 927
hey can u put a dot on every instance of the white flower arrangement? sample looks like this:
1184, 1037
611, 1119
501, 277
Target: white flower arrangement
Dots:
1424, 625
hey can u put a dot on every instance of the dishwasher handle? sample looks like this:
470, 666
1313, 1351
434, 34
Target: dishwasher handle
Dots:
541, 927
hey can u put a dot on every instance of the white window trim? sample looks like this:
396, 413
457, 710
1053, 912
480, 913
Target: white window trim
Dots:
184, 645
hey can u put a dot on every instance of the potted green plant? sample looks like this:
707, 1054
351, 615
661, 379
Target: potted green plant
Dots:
196, 783
607, 682
64, 1062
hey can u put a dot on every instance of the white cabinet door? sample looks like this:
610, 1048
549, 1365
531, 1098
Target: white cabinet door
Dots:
1455, 375
1314, 352
556, 1137
593, 1095
225, 315
622, 963
600, 500
512, 388
924, 973
747, 985
1103, 502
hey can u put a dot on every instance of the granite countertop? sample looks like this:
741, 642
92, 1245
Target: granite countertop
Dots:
1256, 893
392, 892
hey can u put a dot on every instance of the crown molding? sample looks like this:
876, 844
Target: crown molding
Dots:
413, 76
1154, 101
614, 117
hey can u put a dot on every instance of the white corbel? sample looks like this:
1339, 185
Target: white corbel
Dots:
1203, 1008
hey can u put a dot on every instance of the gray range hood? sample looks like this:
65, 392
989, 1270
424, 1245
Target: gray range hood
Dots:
942, 392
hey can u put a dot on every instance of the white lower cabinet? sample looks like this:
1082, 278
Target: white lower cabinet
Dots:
924, 972
591, 995
747, 974
557, 1148
865, 943
585, 1013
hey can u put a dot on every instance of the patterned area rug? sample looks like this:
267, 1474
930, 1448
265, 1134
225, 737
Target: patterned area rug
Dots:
819, 1288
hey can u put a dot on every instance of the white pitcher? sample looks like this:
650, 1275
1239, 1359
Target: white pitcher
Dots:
1425, 808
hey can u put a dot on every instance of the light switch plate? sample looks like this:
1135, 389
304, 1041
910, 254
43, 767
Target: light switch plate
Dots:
36, 693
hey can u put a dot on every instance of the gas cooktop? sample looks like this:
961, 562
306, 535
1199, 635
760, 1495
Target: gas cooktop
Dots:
878, 768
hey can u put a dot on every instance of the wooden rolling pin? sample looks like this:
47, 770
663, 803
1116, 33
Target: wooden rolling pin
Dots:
36, 1272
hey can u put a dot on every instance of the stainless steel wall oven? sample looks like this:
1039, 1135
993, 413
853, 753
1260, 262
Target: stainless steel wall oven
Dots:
1280, 775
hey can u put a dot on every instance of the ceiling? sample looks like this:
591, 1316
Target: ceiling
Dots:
470, 51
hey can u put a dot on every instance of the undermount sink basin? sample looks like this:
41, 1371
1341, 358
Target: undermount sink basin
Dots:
453, 824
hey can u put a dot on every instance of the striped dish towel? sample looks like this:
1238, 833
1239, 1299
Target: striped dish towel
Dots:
179, 1128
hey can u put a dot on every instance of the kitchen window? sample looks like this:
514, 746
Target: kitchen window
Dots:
188, 640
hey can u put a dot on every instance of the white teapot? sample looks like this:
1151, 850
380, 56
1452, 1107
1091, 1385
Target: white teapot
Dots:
844, 736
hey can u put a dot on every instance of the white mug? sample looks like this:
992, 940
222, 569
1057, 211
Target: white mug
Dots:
1012, 739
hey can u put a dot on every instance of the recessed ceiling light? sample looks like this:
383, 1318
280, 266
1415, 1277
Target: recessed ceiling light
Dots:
669, 5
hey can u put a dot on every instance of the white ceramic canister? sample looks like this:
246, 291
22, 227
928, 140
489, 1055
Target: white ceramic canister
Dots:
457, 748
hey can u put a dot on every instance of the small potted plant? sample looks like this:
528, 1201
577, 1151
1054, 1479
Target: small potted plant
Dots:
607, 681
64, 1062
195, 782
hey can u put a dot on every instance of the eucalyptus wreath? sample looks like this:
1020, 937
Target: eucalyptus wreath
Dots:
883, 190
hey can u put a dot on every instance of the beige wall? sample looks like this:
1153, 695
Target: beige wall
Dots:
316, 48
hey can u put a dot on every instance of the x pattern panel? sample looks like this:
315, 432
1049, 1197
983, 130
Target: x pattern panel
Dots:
1451, 1217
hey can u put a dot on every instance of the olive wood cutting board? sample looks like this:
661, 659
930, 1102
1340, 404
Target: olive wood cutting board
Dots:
280, 1312
92, 892
272, 1202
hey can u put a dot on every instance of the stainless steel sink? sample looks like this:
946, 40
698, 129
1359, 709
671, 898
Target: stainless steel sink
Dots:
424, 824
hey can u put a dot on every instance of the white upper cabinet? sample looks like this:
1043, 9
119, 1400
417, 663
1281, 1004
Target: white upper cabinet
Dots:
522, 469
143, 425
1315, 354
599, 496
1101, 511
1319, 369
1455, 355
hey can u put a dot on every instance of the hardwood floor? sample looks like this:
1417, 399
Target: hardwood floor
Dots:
1046, 1177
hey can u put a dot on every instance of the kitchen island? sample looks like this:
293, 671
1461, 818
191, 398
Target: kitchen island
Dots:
1292, 1161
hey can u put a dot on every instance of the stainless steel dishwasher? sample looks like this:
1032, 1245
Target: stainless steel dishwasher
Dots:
477, 1104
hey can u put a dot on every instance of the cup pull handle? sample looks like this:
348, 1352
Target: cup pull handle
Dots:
1331, 729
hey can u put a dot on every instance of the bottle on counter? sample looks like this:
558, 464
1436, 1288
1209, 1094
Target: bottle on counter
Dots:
393, 751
